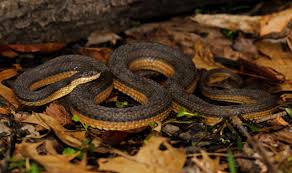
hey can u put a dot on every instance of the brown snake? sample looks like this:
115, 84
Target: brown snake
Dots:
40, 83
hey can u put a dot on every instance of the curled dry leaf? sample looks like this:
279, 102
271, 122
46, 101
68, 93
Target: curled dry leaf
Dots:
102, 37
6, 92
52, 162
71, 138
59, 113
42, 47
259, 25
150, 159
101, 54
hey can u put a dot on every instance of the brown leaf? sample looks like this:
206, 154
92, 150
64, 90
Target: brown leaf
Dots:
52, 162
249, 24
204, 58
41, 47
4, 110
207, 164
279, 61
245, 45
101, 54
284, 135
7, 52
6, 92
71, 138
98, 37
59, 113
259, 25
177, 32
150, 159
289, 40
275, 22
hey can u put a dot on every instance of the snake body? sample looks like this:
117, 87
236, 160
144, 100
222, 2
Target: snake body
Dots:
156, 100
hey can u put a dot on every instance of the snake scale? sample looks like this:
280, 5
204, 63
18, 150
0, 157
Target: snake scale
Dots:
85, 82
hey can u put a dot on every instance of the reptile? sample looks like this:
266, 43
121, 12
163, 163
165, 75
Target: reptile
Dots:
35, 86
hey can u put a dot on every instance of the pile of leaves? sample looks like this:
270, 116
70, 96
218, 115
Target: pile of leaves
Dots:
258, 47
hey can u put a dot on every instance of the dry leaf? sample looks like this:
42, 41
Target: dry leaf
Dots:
150, 159
101, 54
52, 162
98, 37
275, 22
59, 113
4, 110
278, 121
7, 52
204, 58
289, 40
207, 164
71, 138
42, 47
279, 62
177, 32
245, 45
249, 24
6, 92
4, 129
259, 25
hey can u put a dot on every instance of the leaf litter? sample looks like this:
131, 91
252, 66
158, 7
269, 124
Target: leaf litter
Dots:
257, 47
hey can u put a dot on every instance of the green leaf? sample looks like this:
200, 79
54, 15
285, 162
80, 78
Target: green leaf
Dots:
183, 112
289, 111
198, 11
229, 33
153, 124
16, 163
121, 104
239, 143
231, 162
34, 168
75, 118
69, 151
85, 126
86, 141
252, 127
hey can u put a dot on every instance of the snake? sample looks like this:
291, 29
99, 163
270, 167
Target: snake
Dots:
84, 82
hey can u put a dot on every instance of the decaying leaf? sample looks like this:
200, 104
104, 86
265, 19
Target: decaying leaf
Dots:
150, 159
52, 161
42, 47
6, 92
71, 138
259, 25
101, 54
59, 113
